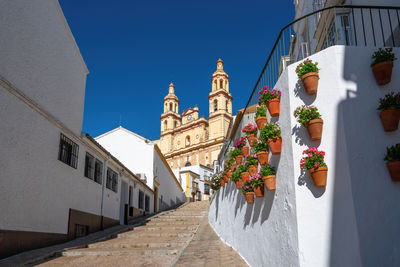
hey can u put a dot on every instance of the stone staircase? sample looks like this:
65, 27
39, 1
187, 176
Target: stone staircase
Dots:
158, 242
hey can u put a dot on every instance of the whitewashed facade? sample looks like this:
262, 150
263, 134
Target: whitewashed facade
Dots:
56, 183
200, 175
353, 220
143, 156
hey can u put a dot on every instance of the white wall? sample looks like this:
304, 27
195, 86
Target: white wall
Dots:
37, 190
131, 150
39, 56
168, 189
354, 220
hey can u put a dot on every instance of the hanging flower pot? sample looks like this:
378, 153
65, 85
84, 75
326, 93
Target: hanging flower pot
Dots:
270, 182
383, 72
382, 65
252, 169
259, 190
228, 174
271, 99
252, 138
249, 197
239, 159
313, 162
245, 151
268, 177
239, 184
394, 170
273, 107
314, 128
307, 71
275, 145
222, 182
390, 119
310, 82
233, 166
319, 175
393, 164
245, 176
226, 178
262, 157
261, 121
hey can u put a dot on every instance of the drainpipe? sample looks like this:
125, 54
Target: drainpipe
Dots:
102, 193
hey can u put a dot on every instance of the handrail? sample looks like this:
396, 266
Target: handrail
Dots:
320, 11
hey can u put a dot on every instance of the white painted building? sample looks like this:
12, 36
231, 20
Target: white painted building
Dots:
56, 183
195, 181
353, 221
143, 156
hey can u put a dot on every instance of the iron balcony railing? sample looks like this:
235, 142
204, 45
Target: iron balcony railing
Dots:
350, 25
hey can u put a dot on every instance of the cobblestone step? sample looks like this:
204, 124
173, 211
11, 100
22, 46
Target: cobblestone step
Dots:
129, 244
166, 227
119, 252
155, 234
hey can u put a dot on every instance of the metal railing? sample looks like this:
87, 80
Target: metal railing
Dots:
350, 25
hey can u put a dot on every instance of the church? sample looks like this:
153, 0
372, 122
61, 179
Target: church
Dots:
187, 139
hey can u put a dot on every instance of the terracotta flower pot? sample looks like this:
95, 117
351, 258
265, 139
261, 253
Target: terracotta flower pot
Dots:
252, 138
319, 175
261, 121
233, 166
270, 182
222, 182
273, 107
249, 197
310, 82
394, 170
239, 159
245, 150
275, 145
314, 128
245, 176
383, 72
252, 170
390, 119
259, 191
239, 184
226, 178
262, 157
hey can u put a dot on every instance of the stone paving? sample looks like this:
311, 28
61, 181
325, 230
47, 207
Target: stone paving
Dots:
180, 237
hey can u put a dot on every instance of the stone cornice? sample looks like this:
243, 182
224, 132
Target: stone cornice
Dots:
215, 75
227, 115
171, 98
219, 92
184, 127
169, 113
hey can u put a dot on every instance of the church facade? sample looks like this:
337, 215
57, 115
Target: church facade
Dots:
187, 139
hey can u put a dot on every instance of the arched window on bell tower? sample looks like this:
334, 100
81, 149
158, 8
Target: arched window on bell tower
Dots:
215, 105
170, 106
176, 124
221, 84
165, 125
226, 105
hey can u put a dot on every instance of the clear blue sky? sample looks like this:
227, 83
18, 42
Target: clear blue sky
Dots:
134, 49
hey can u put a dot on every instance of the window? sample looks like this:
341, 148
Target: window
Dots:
68, 151
141, 196
170, 106
93, 168
147, 203
187, 141
176, 124
165, 125
226, 105
206, 189
215, 105
112, 180
221, 84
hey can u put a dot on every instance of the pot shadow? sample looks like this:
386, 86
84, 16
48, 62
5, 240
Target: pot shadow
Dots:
216, 199
240, 201
274, 161
247, 215
300, 92
305, 179
269, 196
302, 137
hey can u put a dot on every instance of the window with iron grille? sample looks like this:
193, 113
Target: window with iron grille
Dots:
147, 203
141, 199
68, 151
93, 168
112, 180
